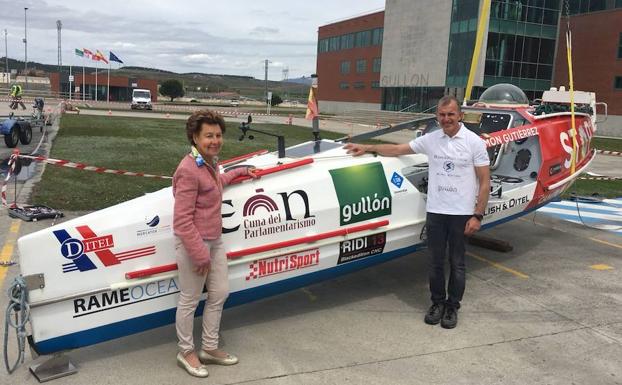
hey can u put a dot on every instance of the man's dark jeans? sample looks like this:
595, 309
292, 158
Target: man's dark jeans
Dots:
446, 234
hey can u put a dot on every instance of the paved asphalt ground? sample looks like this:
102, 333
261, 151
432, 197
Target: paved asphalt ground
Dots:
548, 312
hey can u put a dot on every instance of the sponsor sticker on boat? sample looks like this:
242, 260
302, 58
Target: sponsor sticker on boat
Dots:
80, 250
283, 263
363, 247
362, 192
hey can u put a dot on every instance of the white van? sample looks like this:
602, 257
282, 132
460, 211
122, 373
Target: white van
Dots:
141, 99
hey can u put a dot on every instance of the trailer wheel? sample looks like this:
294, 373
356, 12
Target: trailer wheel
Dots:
12, 137
25, 132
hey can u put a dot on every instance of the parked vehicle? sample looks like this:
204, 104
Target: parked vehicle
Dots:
141, 100
16, 130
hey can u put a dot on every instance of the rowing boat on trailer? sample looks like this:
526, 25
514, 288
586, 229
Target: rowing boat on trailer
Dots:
316, 213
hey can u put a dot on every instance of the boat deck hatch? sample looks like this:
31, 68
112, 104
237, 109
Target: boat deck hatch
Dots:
311, 148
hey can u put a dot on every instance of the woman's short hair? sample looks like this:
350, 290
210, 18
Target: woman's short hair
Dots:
198, 118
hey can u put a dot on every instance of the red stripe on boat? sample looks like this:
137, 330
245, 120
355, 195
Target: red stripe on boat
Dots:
272, 170
258, 249
150, 271
308, 239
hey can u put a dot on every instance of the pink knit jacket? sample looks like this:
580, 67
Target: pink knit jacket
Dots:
198, 199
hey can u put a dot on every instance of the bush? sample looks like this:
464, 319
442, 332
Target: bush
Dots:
172, 88
276, 100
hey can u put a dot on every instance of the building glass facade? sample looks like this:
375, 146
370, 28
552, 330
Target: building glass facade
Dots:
588, 6
520, 48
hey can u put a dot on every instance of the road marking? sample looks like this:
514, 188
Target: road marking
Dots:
601, 266
9, 245
606, 243
498, 266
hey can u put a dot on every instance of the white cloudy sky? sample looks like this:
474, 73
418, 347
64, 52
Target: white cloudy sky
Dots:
225, 37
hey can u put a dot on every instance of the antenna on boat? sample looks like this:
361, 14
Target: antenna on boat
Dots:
479, 38
245, 127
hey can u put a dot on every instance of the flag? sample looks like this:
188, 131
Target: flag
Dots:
87, 53
114, 57
79, 53
100, 56
312, 110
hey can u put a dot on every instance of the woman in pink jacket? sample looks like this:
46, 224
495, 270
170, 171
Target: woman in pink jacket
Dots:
197, 224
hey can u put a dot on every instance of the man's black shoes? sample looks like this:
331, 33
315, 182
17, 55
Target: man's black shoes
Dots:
434, 314
450, 318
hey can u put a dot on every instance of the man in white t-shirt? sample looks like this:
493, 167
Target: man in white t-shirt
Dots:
458, 189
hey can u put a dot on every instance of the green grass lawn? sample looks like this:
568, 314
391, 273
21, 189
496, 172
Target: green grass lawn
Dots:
607, 144
153, 146
603, 188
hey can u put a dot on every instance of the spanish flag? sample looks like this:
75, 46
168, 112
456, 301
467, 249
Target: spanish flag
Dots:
312, 108
100, 56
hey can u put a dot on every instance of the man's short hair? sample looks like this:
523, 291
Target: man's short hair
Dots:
448, 99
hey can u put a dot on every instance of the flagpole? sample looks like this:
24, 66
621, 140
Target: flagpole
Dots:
95, 81
108, 92
83, 79
70, 81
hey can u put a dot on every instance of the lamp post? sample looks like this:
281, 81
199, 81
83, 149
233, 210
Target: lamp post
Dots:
25, 50
6, 54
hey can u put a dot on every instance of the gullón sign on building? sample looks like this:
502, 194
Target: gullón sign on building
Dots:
362, 191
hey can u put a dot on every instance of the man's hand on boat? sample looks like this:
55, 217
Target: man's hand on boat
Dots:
378, 149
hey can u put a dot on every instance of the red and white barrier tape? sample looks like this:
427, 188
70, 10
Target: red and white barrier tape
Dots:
600, 178
11, 170
607, 152
82, 166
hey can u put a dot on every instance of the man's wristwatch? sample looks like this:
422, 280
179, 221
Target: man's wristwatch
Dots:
479, 217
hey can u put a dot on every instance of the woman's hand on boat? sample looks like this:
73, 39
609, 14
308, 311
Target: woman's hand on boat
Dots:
472, 226
252, 172
355, 149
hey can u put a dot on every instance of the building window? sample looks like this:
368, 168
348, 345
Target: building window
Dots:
620, 47
375, 84
376, 36
345, 67
333, 43
359, 85
344, 85
375, 67
347, 41
362, 39
618, 83
322, 45
361, 66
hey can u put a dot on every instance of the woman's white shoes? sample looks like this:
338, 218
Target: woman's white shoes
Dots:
207, 358
200, 371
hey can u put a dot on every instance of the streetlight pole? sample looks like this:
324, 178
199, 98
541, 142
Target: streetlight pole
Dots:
6, 53
25, 50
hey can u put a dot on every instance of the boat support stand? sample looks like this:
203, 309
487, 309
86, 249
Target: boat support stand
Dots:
54, 367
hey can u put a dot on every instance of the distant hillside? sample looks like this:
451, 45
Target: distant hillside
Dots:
196, 83
303, 80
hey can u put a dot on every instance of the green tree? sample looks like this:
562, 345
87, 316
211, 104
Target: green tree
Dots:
172, 88
276, 100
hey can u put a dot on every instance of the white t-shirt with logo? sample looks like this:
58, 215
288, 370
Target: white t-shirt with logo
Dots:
452, 182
